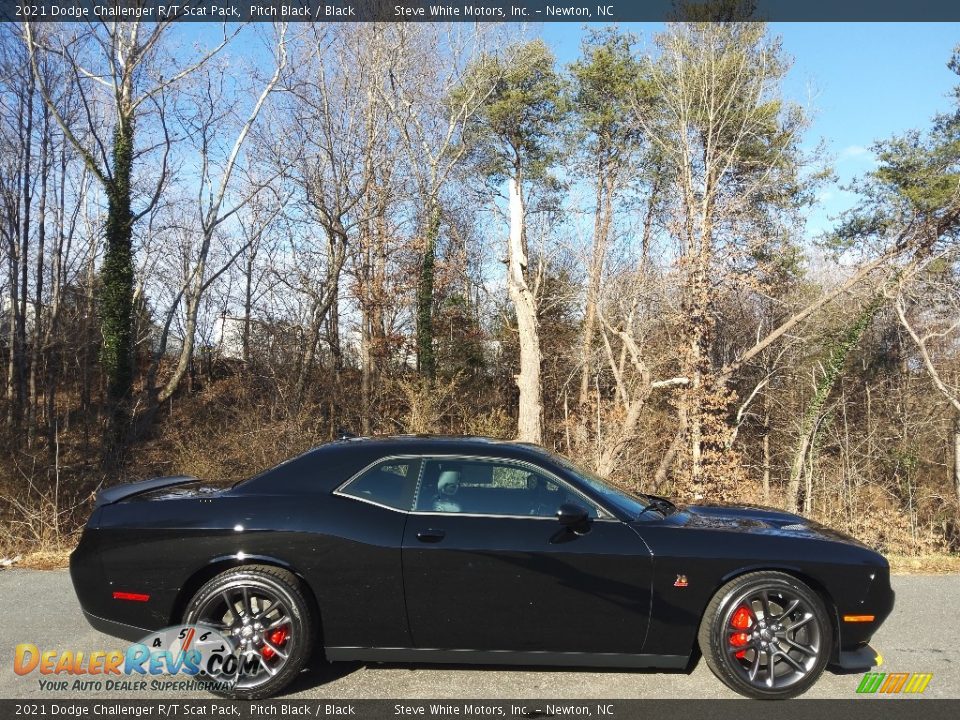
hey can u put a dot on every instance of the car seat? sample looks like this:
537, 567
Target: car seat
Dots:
447, 486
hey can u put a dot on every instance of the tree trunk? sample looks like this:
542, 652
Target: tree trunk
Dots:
808, 485
366, 371
530, 416
56, 290
367, 301
766, 462
116, 291
601, 227
309, 352
333, 327
18, 247
426, 360
670, 456
648, 224
336, 247
766, 443
12, 313
248, 302
811, 418
792, 496
324, 308
36, 345
185, 358
21, 340
697, 362
956, 454
87, 356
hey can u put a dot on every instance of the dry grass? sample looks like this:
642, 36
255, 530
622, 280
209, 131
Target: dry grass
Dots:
934, 564
46, 559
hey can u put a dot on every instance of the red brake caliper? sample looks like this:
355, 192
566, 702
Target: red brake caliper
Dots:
741, 620
277, 638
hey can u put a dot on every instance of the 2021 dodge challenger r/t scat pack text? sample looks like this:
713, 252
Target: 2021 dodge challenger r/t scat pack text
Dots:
469, 550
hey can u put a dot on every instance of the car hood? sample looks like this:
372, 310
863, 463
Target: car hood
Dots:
759, 520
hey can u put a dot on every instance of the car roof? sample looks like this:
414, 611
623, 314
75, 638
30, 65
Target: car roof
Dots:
433, 443
426, 437
350, 454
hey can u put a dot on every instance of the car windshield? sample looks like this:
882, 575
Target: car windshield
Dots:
622, 500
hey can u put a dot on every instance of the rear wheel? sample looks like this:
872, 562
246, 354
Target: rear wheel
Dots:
263, 611
766, 635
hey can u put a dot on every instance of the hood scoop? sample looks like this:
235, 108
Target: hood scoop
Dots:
750, 516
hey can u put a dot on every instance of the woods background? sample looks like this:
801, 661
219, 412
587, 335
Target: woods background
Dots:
224, 246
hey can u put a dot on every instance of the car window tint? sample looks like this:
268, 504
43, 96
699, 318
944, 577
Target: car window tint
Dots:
388, 483
491, 487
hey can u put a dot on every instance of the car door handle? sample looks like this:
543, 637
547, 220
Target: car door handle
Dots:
431, 535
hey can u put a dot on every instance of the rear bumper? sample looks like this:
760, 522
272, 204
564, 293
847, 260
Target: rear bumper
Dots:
859, 659
95, 594
116, 629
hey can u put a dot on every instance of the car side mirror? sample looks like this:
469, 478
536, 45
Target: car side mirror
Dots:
576, 517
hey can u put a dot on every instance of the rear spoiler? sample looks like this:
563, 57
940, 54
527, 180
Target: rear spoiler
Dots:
121, 492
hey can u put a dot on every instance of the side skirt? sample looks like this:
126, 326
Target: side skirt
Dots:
506, 657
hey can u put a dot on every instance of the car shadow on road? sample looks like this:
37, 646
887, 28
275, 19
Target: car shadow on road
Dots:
320, 673
532, 668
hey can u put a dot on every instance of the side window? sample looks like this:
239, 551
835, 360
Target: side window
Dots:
491, 487
388, 483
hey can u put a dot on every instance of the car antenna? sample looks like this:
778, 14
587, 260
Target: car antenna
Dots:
344, 434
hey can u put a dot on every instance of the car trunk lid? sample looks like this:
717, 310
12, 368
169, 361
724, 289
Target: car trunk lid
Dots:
111, 495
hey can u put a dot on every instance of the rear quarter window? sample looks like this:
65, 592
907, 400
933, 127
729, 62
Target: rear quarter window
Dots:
389, 482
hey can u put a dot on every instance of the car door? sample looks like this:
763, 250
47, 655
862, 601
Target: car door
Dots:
361, 587
487, 566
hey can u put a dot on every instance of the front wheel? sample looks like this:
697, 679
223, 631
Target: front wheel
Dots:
766, 635
263, 611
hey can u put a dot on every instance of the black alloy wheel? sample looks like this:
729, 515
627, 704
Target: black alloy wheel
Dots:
766, 635
262, 610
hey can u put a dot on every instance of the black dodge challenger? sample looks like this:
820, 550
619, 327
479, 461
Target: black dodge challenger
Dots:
469, 550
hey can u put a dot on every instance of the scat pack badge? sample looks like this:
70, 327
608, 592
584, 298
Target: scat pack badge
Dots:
181, 657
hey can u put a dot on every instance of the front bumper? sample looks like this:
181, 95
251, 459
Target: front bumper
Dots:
877, 601
860, 659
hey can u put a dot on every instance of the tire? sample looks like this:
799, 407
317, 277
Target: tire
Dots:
765, 620
251, 623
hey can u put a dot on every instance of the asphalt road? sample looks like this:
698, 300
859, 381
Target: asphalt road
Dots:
922, 635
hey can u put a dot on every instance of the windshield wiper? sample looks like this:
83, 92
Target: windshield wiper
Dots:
661, 505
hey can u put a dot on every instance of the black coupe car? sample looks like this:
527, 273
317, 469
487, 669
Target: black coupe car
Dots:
470, 550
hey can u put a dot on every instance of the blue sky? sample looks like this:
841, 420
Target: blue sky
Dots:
861, 81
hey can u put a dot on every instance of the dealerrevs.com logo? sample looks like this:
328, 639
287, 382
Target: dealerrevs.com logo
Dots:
894, 683
182, 657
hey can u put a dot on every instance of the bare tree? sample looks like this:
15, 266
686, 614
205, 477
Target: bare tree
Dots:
205, 127
120, 74
432, 96
604, 82
933, 299
333, 157
512, 139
